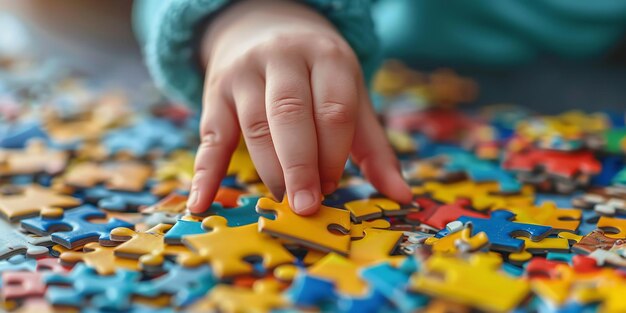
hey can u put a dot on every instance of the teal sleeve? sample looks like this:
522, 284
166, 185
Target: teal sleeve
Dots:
169, 32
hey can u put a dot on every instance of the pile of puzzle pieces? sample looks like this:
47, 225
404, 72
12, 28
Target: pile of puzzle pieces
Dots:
512, 211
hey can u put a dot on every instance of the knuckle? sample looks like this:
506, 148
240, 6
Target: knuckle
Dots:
210, 139
329, 47
258, 131
338, 113
297, 167
288, 109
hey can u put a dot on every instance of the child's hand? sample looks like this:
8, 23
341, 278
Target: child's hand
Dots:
283, 75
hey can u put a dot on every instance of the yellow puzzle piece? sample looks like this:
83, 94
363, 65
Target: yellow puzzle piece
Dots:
613, 227
548, 215
342, 271
264, 297
484, 196
375, 246
542, 246
313, 231
226, 258
100, 258
367, 209
475, 281
463, 238
242, 166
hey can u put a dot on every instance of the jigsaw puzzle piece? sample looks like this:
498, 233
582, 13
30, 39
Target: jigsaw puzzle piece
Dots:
264, 296
483, 196
393, 284
145, 136
36, 158
227, 259
357, 231
439, 215
342, 272
84, 287
349, 193
367, 209
150, 249
172, 205
548, 215
186, 284
102, 259
542, 246
120, 200
72, 228
501, 231
122, 175
614, 227
449, 277
28, 201
458, 241
244, 214
376, 245
308, 291
13, 242
182, 228
313, 231
29, 284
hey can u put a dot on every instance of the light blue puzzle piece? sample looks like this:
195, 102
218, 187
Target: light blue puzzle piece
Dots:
84, 287
392, 283
182, 228
145, 136
186, 284
121, 201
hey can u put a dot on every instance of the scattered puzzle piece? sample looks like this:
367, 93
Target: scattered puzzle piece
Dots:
348, 283
227, 259
123, 176
313, 231
83, 286
120, 200
14, 242
357, 231
101, 259
448, 278
244, 214
264, 297
439, 215
614, 227
501, 231
376, 245
29, 284
35, 158
241, 165
548, 215
483, 196
368, 209
30, 200
186, 284
459, 241
72, 228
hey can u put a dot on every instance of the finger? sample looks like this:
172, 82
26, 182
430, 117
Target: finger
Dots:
372, 152
290, 116
248, 94
335, 99
219, 134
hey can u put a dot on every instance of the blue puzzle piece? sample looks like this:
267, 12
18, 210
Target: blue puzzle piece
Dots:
244, 214
346, 194
620, 178
479, 170
611, 165
15, 136
86, 287
186, 284
182, 228
392, 283
119, 200
371, 302
73, 228
501, 231
309, 291
588, 222
145, 136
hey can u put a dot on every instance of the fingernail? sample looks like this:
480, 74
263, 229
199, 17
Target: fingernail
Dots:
303, 200
328, 187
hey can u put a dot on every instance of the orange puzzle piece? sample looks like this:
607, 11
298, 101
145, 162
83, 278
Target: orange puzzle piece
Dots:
100, 258
122, 175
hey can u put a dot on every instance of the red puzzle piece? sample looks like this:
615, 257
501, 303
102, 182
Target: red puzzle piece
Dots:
561, 163
439, 215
